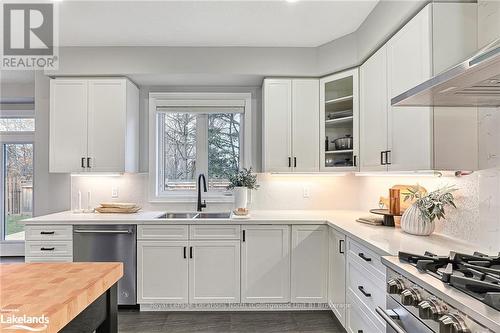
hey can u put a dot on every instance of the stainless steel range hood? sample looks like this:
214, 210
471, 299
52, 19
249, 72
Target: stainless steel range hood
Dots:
474, 82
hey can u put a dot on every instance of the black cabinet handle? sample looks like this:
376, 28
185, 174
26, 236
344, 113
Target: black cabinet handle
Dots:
88, 163
362, 256
295, 162
47, 248
341, 242
184, 252
289, 161
83, 162
355, 162
244, 235
47, 232
387, 157
364, 292
382, 153
190, 252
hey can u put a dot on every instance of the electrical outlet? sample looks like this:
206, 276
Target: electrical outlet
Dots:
114, 192
306, 193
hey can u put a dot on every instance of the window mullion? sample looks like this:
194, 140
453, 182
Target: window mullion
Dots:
202, 145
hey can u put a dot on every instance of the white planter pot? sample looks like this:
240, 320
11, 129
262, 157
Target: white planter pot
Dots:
414, 223
240, 197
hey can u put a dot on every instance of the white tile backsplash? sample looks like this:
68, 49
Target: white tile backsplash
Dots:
477, 219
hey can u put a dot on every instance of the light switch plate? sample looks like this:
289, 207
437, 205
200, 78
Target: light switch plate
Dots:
306, 192
114, 192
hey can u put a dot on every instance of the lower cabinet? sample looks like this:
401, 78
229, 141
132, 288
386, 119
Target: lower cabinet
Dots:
214, 271
265, 264
337, 274
162, 272
184, 270
309, 270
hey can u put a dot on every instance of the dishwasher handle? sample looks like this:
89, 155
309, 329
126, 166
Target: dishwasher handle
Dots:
97, 231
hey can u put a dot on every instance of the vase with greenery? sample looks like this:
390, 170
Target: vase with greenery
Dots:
240, 183
419, 218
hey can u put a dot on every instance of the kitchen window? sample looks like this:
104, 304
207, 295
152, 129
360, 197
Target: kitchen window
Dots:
197, 134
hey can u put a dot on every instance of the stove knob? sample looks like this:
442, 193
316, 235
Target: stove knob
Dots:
452, 323
395, 286
411, 297
430, 309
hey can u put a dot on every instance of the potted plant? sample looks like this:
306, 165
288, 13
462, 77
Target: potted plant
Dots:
419, 218
240, 183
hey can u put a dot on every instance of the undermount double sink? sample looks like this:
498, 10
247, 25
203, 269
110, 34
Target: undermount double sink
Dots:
195, 215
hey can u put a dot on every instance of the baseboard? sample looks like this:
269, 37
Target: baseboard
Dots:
236, 307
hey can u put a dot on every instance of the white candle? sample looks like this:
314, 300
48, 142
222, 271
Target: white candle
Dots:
79, 200
89, 196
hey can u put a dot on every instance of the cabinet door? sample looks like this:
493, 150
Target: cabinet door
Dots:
309, 263
373, 111
337, 275
277, 142
265, 264
107, 125
305, 125
339, 122
409, 63
68, 125
162, 272
214, 272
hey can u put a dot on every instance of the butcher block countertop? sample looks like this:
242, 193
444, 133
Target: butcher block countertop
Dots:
56, 291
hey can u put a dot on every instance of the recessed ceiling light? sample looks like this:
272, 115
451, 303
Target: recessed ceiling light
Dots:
291, 1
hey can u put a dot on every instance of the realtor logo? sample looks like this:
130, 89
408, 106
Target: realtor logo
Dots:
29, 36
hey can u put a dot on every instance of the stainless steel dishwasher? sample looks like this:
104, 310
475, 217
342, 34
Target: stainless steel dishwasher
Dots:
109, 243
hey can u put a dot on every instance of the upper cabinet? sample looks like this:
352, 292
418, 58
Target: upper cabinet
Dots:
94, 125
291, 125
418, 138
339, 122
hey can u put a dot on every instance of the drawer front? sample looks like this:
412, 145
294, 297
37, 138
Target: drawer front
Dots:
49, 248
214, 232
359, 320
159, 232
48, 259
49, 232
367, 258
369, 289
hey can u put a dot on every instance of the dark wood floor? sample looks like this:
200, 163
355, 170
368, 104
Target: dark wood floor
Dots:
219, 322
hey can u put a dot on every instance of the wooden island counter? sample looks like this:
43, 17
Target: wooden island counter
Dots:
59, 297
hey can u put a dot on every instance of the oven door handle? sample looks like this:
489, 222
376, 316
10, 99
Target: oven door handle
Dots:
388, 316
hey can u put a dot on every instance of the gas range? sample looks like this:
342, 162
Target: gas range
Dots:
477, 275
458, 293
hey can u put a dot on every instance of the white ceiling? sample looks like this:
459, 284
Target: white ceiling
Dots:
209, 23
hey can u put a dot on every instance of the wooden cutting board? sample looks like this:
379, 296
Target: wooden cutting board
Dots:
124, 205
131, 210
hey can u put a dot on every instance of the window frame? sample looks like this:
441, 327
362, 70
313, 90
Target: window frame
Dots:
158, 100
13, 247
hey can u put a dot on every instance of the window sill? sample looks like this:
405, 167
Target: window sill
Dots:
184, 199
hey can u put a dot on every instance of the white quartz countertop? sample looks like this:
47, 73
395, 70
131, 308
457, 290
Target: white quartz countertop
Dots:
380, 239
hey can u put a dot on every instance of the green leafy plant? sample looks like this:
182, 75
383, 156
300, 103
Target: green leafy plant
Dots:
432, 205
243, 178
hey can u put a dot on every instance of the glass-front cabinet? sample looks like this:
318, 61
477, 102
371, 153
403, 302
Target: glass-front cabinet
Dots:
339, 122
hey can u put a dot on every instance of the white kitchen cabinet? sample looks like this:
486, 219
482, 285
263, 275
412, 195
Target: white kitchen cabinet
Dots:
290, 125
68, 125
373, 115
162, 272
214, 272
339, 120
94, 125
409, 62
309, 264
409, 138
337, 274
265, 264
